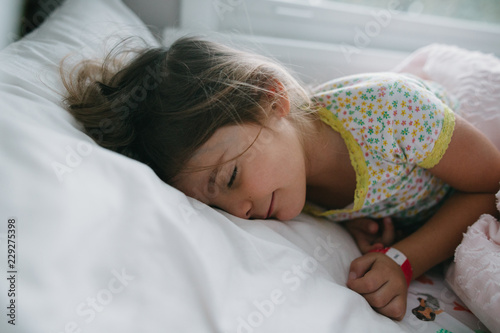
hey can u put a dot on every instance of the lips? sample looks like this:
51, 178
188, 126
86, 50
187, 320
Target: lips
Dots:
271, 206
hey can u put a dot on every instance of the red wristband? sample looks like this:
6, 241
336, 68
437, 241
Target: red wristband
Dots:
400, 259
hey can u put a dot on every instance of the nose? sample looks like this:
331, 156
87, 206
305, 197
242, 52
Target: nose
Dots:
240, 207
244, 209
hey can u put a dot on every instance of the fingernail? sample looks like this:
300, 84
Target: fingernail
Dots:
352, 276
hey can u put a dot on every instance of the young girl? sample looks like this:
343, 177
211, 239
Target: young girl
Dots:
381, 152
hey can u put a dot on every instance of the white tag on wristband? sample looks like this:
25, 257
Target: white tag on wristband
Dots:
396, 255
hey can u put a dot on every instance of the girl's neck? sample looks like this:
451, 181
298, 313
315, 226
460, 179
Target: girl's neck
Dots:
325, 151
330, 178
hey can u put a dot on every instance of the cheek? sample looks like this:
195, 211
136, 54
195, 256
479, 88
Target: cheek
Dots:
282, 167
291, 166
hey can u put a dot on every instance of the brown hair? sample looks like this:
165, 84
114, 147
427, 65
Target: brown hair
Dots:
164, 103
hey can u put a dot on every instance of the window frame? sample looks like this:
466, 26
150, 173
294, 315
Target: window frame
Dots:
323, 40
338, 23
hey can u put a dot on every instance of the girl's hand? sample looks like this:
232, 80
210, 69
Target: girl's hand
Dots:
381, 282
369, 235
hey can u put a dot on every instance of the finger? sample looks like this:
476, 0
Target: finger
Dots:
366, 245
368, 283
362, 239
362, 278
375, 246
388, 234
381, 297
363, 225
360, 266
395, 309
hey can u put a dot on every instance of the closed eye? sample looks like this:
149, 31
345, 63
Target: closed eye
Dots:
233, 176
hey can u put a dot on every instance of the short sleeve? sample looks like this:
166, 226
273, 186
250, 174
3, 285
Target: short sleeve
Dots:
395, 118
419, 124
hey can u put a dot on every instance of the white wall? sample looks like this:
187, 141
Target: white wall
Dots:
10, 15
157, 14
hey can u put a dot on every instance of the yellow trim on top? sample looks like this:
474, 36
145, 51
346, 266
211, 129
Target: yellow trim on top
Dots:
442, 141
357, 161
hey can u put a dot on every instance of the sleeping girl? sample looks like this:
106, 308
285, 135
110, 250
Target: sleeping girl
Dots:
382, 153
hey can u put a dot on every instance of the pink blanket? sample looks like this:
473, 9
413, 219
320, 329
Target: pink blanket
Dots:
475, 275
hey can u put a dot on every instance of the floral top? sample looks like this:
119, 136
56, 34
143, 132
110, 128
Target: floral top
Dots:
395, 127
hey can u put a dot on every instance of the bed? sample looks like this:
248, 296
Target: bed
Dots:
92, 241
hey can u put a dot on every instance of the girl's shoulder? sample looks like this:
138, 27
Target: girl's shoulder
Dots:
383, 87
367, 80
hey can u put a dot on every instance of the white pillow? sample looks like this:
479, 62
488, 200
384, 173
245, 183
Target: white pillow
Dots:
102, 245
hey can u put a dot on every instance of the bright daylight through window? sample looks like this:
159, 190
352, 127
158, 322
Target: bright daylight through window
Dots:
486, 11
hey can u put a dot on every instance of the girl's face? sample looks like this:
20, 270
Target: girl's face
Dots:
267, 181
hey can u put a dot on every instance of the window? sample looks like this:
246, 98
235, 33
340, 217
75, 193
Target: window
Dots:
487, 11
322, 39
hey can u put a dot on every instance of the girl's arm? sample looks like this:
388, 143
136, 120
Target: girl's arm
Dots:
471, 165
437, 240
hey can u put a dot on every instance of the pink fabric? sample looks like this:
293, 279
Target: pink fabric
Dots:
475, 275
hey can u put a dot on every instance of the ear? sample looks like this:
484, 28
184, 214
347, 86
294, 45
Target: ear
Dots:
280, 105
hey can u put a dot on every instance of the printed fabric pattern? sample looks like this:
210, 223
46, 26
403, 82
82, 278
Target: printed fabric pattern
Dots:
395, 127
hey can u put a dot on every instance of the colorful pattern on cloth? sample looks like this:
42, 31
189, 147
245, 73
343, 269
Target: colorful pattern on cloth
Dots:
395, 127
432, 307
